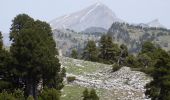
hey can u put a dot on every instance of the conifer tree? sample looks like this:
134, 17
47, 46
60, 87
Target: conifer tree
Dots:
5, 68
74, 54
123, 54
109, 51
33, 49
91, 51
159, 88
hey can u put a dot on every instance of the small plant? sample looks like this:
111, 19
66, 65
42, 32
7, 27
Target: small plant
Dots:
71, 78
115, 67
30, 98
90, 95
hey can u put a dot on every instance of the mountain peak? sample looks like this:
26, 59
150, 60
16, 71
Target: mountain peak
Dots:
155, 23
96, 15
99, 3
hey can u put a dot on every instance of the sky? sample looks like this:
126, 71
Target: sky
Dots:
132, 11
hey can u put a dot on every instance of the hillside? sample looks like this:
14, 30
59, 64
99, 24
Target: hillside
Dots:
134, 36
124, 84
67, 40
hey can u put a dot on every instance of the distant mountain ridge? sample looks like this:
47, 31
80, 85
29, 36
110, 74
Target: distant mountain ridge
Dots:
134, 35
155, 23
74, 30
97, 15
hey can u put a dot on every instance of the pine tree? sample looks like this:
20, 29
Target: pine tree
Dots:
123, 54
109, 51
159, 88
148, 47
103, 46
90, 51
74, 54
131, 61
5, 69
144, 60
33, 49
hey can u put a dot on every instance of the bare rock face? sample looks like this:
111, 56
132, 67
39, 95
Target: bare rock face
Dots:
97, 15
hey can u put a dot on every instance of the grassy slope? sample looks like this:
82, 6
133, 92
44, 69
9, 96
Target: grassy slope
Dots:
79, 67
84, 68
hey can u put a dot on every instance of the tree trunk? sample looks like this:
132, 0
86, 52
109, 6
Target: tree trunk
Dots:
35, 92
29, 88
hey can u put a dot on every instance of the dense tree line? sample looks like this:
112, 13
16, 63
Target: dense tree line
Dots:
106, 51
159, 69
32, 63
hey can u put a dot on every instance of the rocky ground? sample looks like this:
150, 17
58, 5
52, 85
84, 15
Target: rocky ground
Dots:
123, 84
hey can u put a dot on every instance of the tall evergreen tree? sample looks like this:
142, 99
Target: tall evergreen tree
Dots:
103, 46
159, 88
91, 51
33, 49
74, 54
148, 47
123, 54
109, 51
5, 68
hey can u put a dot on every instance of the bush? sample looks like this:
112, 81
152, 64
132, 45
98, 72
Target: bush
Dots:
30, 98
90, 95
115, 67
50, 94
71, 78
6, 96
19, 94
131, 61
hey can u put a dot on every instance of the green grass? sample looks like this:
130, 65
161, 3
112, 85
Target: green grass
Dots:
78, 67
74, 92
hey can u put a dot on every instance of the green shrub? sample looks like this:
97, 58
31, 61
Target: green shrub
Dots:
30, 98
115, 67
71, 78
50, 94
6, 96
90, 95
19, 94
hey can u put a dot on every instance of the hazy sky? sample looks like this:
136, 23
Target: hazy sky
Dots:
132, 11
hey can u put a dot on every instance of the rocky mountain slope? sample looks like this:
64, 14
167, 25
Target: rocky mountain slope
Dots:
123, 84
97, 15
134, 36
67, 40
74, 30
